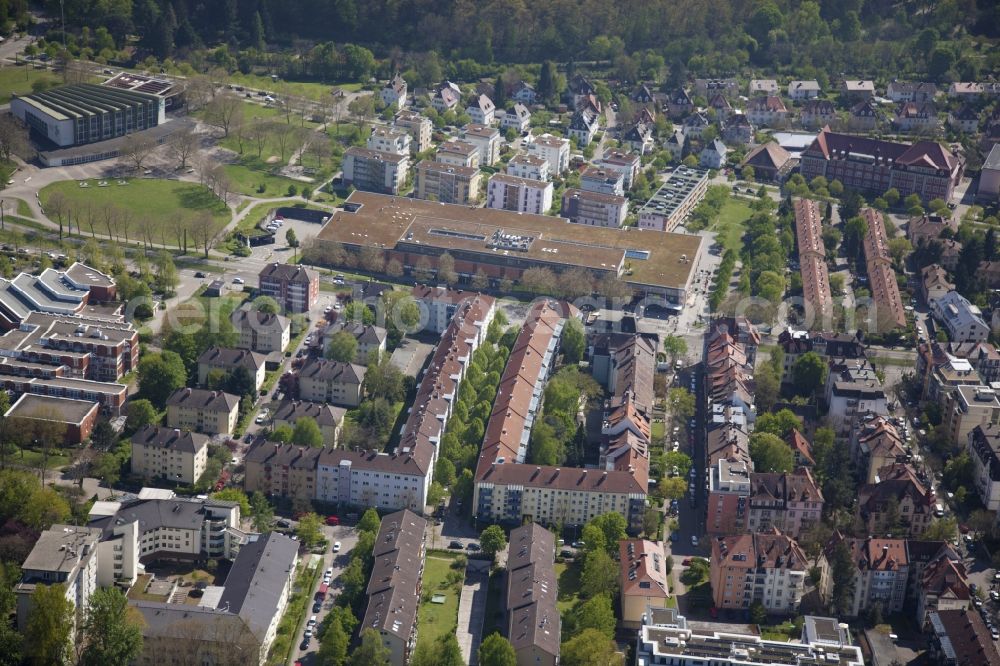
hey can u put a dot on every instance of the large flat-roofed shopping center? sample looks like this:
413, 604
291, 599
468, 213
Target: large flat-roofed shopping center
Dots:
503, 244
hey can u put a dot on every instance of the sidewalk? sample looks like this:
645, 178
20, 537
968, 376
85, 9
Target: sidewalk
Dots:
472, 609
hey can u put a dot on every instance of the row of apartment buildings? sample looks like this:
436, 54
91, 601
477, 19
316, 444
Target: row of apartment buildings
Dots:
401, 479
812, 261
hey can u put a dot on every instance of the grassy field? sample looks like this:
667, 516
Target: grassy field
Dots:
569, 586
319, 92
436, 620
247, 180
731, 224
30, 458
158, 202
19, 80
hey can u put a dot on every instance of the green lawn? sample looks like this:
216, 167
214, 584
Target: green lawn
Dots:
569, 586
157, 202
23, 209
6, 169
247, 180
436, 620
731, 224
30, 458
319, 92
20, 79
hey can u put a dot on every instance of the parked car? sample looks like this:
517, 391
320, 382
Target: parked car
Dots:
199, 274
336, 546
332, 520
694, 540
238, 280
472, 545
565, 552
455, 545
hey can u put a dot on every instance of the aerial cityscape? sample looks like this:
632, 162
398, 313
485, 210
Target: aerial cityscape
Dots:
340, 333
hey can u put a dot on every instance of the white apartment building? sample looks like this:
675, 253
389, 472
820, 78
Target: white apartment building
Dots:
627, 164
458, 153
168, 453
375, 171
522, 195
531, 167
486, 139
803, 90
389, 140
517, 118
393, 93
983, 445
603, 181
417, 126
381, 480
966, 407
553, 149
963, 320
262, 332
323, 380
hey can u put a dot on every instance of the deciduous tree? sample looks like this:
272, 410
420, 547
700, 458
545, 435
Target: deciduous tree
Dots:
49, 625
113, 630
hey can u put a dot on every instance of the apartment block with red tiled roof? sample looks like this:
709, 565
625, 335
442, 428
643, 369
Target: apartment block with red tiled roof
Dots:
812, 262
888, 303
769, 568
643, 579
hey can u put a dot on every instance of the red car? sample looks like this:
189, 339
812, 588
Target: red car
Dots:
686, 562
332, 520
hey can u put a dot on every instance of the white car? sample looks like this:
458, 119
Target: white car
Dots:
238, 280
336, 546
694, 540
329, 573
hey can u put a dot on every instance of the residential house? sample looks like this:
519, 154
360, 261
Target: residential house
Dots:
763, 87
294, 287
801, 449
389, 140
772, 563
524, 93
223, 361
966, 90
818, 113
486, 139
627, 164
906, 91
393, 93
767, 111
679, 104
169, 453
889, 312
522, 195
897, 500
881, 573
534, 625
713, 156
934, 283
737, 129
728, 482
210, 412
877, 444
729, 87
963, 320
458, 153
330, 419
639, 138
643, 95
418, 127
602, 181
447, 183
864, 116
770, 162
914, 117
517, 118
261, 332
951, 252
375, 171
816, 296
644, 579
720, 104
803, 90
553, 149
594, 208
695, 124
446, 97
394, 588
857, 90
965, 120
323, 380
532, 167
674, 144
791, 502
578, 90
583, 127
481, 110
943, 586
925, 228
852, 390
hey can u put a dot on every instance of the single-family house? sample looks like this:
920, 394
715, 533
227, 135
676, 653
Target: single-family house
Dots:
639, 138
803, 90
481, 110
863, 117
857, 90
393, 93
767, 111
916, 117
446, 97
965, 120
583, 127
818, 113
713, 156
517, 118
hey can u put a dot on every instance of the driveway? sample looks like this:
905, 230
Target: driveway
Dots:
472, 609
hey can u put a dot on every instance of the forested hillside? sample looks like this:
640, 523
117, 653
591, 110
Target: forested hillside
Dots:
939, 39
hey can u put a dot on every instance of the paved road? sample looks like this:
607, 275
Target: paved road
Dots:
472, 610
348, 537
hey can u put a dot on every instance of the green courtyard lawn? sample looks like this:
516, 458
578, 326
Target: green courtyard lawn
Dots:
568, 576
19, 80
248, 179
437, 620
730, 225
161, 203
318, 92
